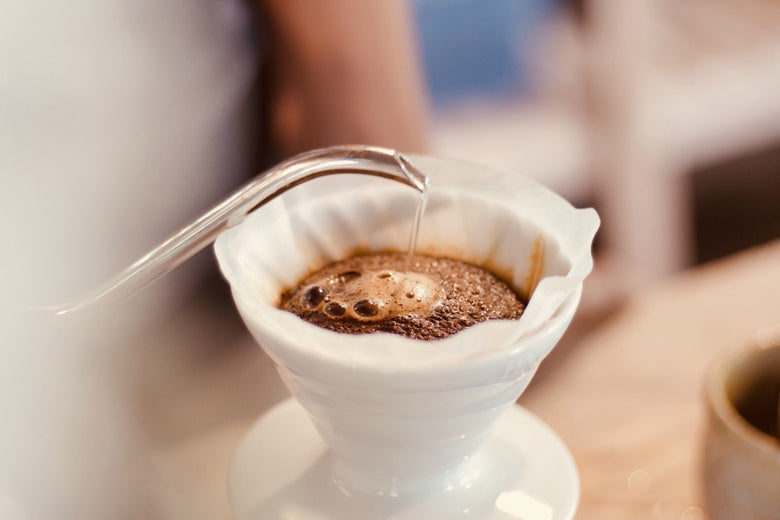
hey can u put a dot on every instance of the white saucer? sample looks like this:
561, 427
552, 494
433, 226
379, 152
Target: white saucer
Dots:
282, 470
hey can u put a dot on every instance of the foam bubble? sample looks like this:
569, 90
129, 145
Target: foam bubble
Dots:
366, 308
335, 309
314, 296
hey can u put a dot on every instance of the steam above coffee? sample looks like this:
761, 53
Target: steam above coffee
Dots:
421, 297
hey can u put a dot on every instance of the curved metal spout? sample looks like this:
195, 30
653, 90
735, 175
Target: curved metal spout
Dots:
366, 160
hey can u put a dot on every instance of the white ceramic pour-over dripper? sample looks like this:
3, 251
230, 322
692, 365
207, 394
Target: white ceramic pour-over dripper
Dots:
401, 416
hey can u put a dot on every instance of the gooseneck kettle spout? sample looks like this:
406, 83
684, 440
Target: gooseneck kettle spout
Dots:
357, 159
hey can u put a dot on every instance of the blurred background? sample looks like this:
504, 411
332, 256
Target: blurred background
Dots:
122, 121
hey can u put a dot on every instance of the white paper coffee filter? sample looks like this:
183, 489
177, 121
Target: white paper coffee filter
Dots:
508, 223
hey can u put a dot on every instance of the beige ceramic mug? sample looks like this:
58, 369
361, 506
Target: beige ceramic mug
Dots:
742, 448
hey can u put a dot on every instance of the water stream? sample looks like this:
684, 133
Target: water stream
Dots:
422, 201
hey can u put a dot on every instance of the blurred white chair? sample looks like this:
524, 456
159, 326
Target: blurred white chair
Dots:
674, 84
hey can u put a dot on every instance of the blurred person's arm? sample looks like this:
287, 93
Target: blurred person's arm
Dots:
344, 71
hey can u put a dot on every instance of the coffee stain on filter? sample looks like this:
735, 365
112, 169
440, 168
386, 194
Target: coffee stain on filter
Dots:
536, 267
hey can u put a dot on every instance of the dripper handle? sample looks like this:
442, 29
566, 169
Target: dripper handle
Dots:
357, 159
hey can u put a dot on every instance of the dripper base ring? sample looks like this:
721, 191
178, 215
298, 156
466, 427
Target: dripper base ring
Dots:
282, 469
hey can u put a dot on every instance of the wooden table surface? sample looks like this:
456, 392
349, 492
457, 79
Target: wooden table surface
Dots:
627, 398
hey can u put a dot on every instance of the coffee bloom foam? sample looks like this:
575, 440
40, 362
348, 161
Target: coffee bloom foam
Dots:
372, 295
